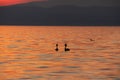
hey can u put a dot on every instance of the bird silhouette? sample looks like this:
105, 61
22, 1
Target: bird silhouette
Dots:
66, 49
56, 47
91, 39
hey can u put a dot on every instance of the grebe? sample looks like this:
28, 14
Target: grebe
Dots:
66, 49
56, 47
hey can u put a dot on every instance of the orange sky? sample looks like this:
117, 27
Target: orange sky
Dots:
13, 2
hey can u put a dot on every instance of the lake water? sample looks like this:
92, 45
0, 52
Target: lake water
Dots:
28, 53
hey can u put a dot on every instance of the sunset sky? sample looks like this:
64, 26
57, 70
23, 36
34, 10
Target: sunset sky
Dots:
60, 12
64, 2
13, 2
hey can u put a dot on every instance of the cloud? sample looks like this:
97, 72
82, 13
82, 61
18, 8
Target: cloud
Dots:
85, 2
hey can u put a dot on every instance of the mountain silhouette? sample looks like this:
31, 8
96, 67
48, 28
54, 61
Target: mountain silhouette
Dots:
27, 14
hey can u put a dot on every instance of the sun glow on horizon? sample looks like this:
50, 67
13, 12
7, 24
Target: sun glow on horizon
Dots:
14, 2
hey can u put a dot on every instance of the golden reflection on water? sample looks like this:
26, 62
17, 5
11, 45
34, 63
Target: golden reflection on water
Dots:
27, 53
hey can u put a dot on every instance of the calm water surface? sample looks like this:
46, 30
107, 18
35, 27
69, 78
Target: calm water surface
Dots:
27, 53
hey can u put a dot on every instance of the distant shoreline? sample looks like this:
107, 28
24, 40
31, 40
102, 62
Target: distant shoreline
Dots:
53, 26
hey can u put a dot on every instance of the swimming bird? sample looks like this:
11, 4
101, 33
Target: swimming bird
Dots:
91, 39
66, 49
56, 47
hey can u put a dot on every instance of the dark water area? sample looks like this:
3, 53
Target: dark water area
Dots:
28, 53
